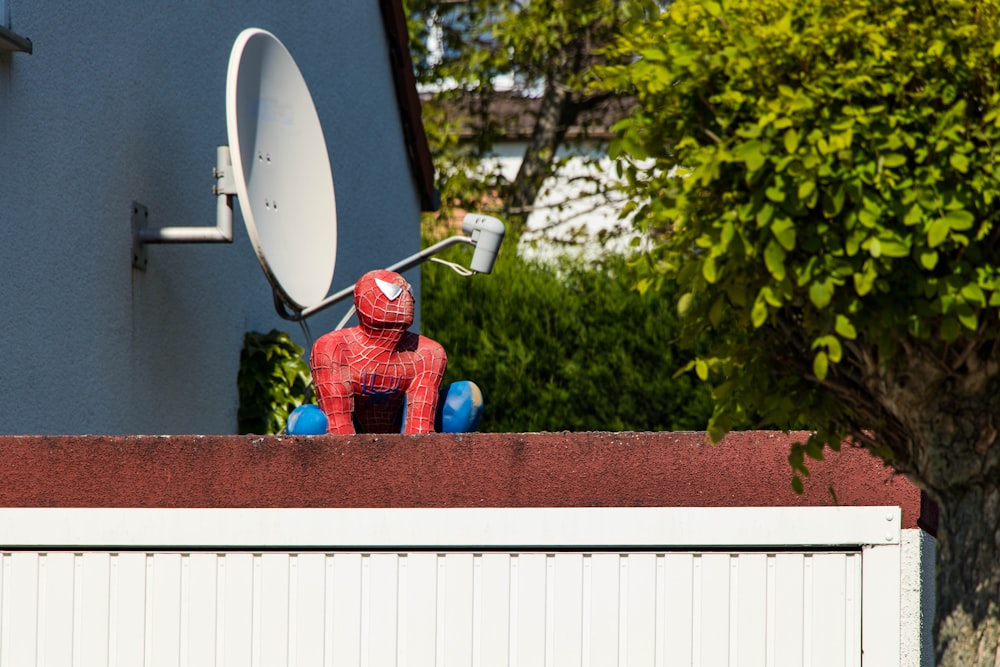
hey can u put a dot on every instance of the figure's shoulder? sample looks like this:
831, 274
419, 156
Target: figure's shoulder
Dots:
333, 341
430, 349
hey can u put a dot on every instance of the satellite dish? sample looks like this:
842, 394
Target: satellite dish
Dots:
281, 169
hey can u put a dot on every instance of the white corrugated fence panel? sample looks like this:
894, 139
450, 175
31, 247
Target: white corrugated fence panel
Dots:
425, 608
534, 586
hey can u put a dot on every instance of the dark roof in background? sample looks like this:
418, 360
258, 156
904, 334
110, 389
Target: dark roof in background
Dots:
513, 115
405, 83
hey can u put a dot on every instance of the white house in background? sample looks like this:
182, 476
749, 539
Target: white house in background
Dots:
579, 203
107, 103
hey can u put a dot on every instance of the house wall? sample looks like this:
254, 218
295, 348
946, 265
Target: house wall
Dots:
124, 102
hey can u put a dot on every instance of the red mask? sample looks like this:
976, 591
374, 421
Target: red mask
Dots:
384, 300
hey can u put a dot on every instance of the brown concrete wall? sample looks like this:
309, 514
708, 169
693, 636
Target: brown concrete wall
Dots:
440, 470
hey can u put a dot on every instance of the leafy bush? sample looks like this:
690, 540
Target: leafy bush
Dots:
273, 380
563, 347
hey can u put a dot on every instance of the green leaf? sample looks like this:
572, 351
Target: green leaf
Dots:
820, 293
791, 139
833, 201
701, 369
894, 160
653, 55
758, 314
959, 220
845, 328
821, 364
774, 258
831, 345
875, 248
751, 153
684, 303
797, 486
895, 248
775, 194
928, 259
959, 162
967, 317
974, 295
717, 311
784, 230
765, 214
709, 270
937, 232
807, 189
914, 215
814, 450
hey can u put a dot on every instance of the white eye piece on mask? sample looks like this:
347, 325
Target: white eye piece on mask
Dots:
390, 290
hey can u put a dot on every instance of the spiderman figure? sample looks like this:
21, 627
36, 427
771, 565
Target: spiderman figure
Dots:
378, 377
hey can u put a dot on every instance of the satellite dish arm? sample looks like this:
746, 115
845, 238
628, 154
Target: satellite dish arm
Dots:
348, 292
224, 190
485, 234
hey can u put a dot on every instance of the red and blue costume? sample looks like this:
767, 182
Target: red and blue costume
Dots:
378, 377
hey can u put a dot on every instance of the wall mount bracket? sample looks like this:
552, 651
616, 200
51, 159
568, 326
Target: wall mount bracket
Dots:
224, 190
10, 41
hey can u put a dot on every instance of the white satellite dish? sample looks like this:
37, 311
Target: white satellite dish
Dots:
281, 169
278, 166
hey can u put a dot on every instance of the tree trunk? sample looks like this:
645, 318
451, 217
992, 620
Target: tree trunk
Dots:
968, 550
540, 153
937, 409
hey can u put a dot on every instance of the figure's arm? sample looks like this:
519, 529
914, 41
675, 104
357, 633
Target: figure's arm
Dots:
422, 394
332, 381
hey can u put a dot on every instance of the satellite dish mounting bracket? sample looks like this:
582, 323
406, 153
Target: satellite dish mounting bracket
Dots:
224, 190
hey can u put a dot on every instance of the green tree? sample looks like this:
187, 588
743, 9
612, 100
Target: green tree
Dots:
475, 54
569, 347
823, 178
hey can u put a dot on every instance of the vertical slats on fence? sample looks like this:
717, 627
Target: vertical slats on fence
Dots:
237, 609
20, 631
56, 608
128, 609
530, 610
751, 609
457, 603
640, 637
201, 594
880, 605
418, 608
425, 608
344, 591
382, 628
788, 610
495, 618
309, 637
604, 608
94, 568
274, 609
679, 602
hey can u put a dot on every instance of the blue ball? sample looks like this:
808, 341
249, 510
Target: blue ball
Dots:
306, 419
460, 407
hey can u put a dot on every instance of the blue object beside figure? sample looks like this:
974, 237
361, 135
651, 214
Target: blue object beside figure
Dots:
306, 419
460, 407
